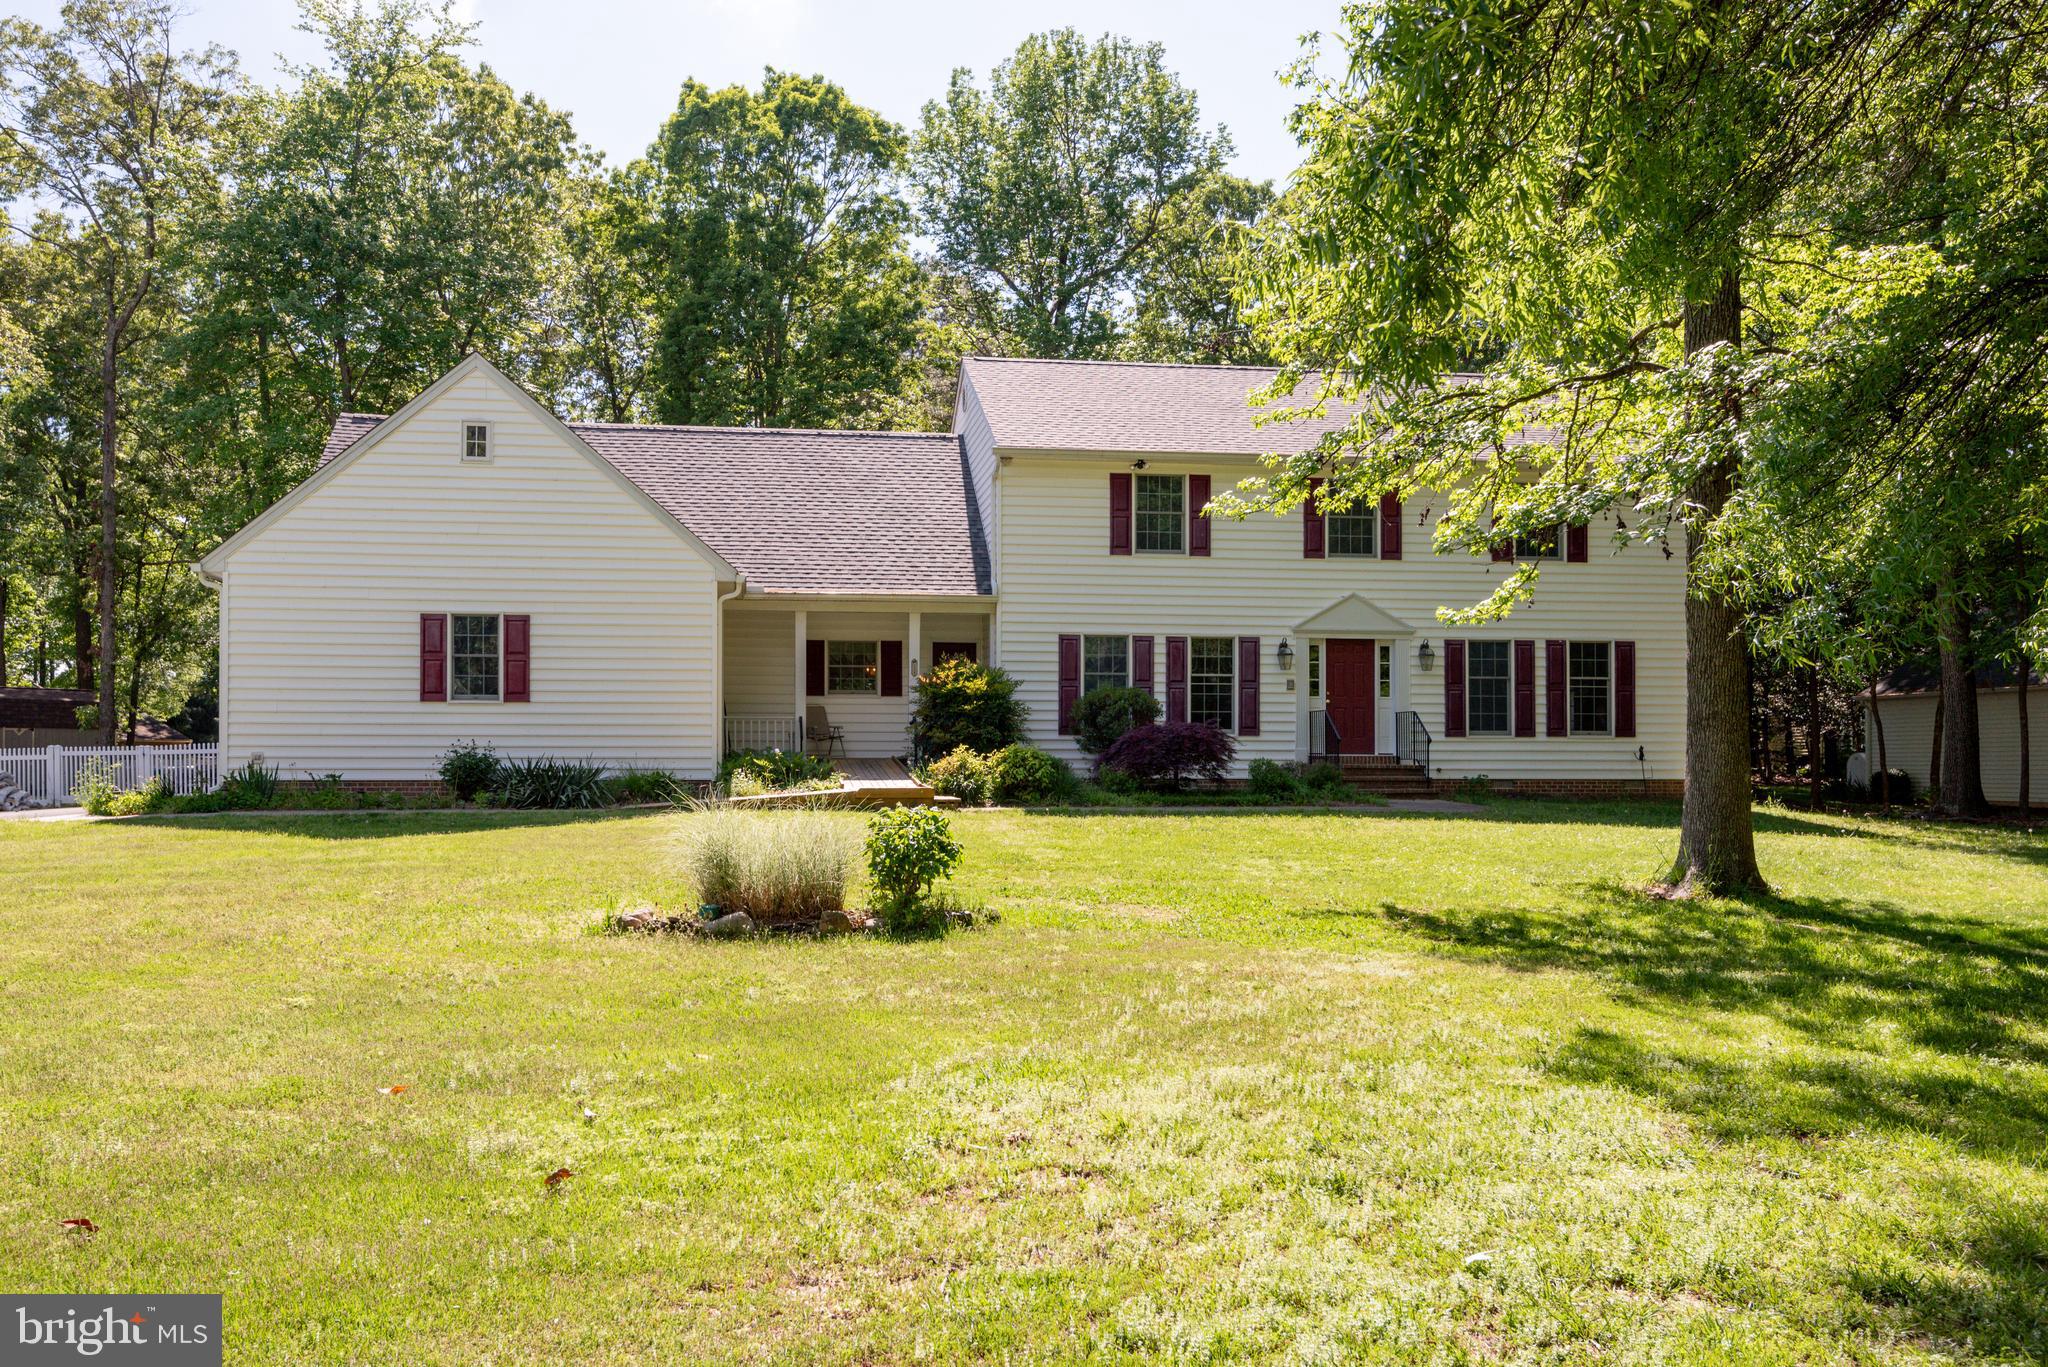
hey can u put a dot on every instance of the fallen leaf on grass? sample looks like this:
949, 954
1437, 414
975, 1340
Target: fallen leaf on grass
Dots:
81, 1224
557, 1177
391, 1091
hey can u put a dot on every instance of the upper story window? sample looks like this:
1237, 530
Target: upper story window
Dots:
476, 441
1351, 533
1544, 543
1488, 688
1591, 675
1212, 681
853, 666
473, 659
1162, 513
1105, 662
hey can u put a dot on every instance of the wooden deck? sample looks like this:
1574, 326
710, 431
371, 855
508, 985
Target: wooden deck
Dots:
866, 783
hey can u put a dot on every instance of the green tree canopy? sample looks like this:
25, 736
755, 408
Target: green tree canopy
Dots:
774, 241
1078, 178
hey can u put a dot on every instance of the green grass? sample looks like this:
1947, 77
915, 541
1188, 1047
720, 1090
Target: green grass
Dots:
1225, 1086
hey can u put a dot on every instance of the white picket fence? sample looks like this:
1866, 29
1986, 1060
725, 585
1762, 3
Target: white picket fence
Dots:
52, 770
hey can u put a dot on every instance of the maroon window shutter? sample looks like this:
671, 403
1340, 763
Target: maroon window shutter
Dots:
1525, 688
814, 669
1554, 721
1176, 678
1198, 522
1120, 513
1454, 688
1390, 526
518, 657
1624, 688
433, 657
1070, 681
1575, 546
1503, 550
1141, 663
1247, 685
892, 669
1312, 523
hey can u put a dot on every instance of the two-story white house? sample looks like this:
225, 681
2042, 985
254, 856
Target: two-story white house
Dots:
472, 567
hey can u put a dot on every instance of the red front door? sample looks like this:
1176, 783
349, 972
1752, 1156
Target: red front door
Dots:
1348, 693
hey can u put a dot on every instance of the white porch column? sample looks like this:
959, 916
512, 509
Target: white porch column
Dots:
914, 648
803, 636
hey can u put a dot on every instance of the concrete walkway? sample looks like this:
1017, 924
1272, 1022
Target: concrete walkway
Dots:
48, 814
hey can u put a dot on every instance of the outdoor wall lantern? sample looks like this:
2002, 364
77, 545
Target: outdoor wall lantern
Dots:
1425, 657
1286, 656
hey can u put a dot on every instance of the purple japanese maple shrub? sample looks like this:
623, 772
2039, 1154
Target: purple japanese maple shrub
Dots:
1165, 755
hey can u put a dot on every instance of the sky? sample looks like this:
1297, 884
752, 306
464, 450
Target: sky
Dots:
615, 65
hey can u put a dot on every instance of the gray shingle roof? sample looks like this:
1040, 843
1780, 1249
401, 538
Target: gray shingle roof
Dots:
801, 511
1141, 406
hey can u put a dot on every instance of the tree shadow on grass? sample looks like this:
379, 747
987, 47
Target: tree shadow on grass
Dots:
373, 824
1918, 1022
1894, 1023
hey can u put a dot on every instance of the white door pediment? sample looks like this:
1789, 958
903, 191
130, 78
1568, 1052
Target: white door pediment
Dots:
1352, 615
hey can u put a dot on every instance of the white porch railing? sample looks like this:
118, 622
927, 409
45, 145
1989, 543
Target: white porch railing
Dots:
763, 733
50, 771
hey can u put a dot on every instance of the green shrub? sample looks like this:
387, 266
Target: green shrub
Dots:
254, 785
152, 796
1273, 781
1105, 716
1474, 788
95, 785
645, 785
468, 767
779, 867
909, 849
746, 772
1023, 773
1165, 755
962, 774
544, 781
1323, 778
964, 703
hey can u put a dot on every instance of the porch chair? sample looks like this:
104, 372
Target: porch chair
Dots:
819, 730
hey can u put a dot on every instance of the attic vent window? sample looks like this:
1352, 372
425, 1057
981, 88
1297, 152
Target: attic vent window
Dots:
476, 441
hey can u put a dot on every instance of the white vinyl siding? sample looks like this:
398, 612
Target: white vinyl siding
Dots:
1255, 582
320, 614
1909, 740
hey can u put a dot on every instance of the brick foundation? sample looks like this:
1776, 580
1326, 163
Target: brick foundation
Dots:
1582, 789
407, 787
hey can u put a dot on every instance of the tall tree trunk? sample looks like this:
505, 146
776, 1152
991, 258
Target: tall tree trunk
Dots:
1960, 783
5, 587
83, 652
110, 398
1934, 759
1813, 747
1884, 768
1716, 843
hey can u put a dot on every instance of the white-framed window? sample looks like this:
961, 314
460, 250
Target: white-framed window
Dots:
1162, 514
1315, 669
1351, 533
475, 661
1212, 681
1105, 663
1489, 688
476, 441
853, 666
1386, 669
1590, 675
1543, 543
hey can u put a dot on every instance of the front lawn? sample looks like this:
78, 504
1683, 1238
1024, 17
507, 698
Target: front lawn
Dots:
1297, 1087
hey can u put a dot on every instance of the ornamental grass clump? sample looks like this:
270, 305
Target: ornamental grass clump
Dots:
779, 867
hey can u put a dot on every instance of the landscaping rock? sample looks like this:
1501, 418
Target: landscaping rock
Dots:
13, 798
837, 923
728, 927
959, 916
643, 918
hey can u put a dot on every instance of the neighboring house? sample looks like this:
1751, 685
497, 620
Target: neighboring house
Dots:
1906, 703
49, 716
472, 567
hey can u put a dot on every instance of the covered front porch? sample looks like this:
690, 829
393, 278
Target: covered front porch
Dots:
828, 678
1356, 663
